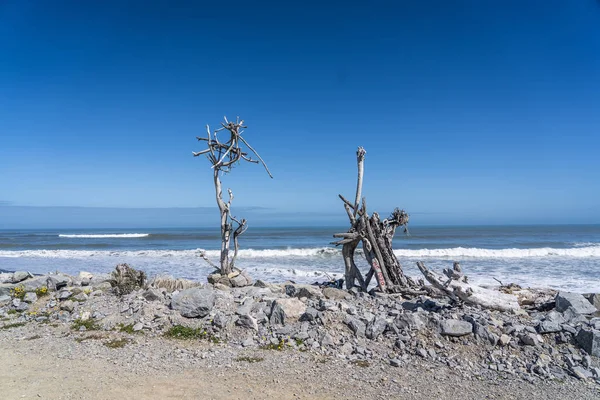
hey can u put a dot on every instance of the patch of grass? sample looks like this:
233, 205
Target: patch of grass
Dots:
184, 332
15, 325
125, 328
12, 312
249, 359
299, 342
90, 325
361, 363
271, 346
33, 337
116, 343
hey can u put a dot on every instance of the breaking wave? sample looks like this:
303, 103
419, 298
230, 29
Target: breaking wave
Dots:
325, 252
109, 235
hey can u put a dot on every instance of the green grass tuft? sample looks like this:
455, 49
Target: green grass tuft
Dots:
249, 359
116, 343
15, 325
90, 325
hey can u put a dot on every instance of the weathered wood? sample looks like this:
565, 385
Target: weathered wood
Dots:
457, 288
376, 237
223, 155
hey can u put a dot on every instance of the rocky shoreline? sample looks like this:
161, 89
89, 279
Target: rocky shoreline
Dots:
554, 337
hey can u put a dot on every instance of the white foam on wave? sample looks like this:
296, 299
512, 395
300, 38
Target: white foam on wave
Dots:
456, 252
109, 235
319, 253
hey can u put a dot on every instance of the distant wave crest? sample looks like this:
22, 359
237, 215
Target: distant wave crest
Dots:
325, 252
109, 235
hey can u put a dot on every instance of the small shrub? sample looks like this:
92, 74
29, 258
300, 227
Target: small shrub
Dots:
15, 325
125, 279
41, 291
18, 292
91, 336
12, 312
89, 324
249, 359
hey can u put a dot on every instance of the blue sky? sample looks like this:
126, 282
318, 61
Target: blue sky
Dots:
470, 111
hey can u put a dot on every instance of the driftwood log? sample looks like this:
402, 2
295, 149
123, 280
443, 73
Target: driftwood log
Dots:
376, 237
223, 156
456, 286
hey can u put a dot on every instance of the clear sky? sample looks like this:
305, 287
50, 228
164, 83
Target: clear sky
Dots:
470, 111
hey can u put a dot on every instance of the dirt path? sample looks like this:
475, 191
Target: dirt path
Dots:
53, 365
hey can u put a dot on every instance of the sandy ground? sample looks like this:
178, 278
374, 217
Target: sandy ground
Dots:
49, 363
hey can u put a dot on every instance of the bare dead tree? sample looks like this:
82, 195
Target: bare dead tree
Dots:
376, 236
223, 157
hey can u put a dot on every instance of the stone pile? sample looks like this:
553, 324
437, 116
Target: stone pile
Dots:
555, 339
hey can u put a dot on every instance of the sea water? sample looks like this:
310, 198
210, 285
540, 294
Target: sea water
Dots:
560, 257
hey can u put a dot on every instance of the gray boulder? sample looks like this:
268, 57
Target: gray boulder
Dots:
152, 294
56, 282
335, 294
32, 285
375, 328
6, 288
455, 327
247, 321
580, 304
589, 341
194, 302
20, 276
4, 299
30, 297
358, 327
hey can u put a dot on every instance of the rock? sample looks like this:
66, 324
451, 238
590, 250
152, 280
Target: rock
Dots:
484, 333
238, 281
22, 307
81, 297
31, 285
581, 372
85, 315
375, 328
20, 276
138, 327
422, 353
357, 326
455, 327
247, 321
290, 290
260, 284
59, 281
412, 321
529, 339
6, 288
248, 342
504, 340
220, 320
335, 294
152, 294
103, 286
287, 309
549, 327
194, 302
4, 299
311, 314
63, 316
310, 292
64, 294
580, 304
85, 282
327, 340
67, 305
394, 362
30, 297
249, 280
85, 275
589, 340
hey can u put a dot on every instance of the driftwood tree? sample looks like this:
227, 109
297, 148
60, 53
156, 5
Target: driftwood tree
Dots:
224, 155
376, 236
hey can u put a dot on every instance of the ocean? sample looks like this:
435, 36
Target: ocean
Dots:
560, 257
